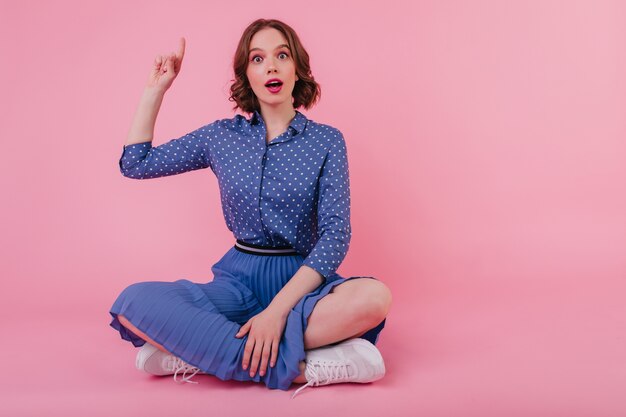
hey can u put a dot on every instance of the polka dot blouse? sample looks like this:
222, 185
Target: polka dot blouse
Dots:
293, 191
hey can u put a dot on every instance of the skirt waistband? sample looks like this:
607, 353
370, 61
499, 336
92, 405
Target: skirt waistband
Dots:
264, 250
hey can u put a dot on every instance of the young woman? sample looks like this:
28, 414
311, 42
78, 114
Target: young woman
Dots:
276, 310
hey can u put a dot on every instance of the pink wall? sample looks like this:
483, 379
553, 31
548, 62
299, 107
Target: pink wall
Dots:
488, 168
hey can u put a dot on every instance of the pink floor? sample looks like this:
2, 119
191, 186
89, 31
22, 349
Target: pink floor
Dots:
471, 350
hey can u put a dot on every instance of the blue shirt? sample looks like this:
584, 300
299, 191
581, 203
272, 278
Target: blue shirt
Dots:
293, 191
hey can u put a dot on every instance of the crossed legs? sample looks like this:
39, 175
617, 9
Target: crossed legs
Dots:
349, 310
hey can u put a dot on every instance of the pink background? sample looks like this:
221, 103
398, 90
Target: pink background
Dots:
487, 155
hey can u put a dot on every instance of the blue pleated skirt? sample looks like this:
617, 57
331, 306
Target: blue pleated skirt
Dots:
198, 321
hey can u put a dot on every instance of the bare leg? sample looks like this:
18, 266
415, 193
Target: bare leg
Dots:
139, 333
348, 311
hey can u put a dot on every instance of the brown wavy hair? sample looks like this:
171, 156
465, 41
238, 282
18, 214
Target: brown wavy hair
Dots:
306, 92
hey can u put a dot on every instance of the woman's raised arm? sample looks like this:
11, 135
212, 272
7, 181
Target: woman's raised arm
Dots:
162, 74
190, 152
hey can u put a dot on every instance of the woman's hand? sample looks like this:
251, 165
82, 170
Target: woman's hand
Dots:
166, 68
266, 330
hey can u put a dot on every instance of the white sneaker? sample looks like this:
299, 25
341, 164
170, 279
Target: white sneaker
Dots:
353, 360
154, 361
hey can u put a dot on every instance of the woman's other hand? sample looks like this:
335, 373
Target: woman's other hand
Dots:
165, 68
266, 330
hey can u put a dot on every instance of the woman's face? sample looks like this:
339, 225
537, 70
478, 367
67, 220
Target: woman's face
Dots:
270, 57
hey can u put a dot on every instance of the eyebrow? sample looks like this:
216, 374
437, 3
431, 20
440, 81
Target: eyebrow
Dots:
278, 47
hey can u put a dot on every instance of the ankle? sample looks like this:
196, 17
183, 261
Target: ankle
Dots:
301, 379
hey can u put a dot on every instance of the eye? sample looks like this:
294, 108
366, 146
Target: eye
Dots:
254, 58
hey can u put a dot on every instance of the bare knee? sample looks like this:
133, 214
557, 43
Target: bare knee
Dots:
372, 299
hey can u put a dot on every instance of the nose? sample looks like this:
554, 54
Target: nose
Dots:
271, 67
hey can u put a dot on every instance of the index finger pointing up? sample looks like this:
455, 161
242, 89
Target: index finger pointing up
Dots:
181, 49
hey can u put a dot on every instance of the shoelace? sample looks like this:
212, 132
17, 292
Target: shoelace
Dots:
180, 365
323, 373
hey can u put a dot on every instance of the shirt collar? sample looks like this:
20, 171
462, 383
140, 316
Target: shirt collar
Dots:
297, 123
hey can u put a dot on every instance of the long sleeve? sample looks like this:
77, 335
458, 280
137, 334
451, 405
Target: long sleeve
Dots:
333, 212
187, 153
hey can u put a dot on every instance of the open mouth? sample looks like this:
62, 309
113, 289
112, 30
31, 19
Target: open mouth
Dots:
274, 86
